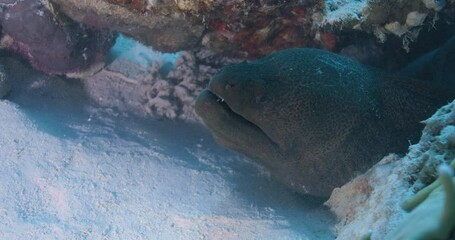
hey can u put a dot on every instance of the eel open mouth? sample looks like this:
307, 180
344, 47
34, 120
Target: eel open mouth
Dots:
230, 128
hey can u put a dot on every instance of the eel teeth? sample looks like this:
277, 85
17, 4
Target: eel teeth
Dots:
220, 99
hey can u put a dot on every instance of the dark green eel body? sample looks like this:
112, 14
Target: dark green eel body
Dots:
316, 119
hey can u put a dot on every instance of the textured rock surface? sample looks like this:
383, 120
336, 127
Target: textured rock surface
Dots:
253, 29
243, 29
235, 27
156, 91
404, 19
50, 41
157, 23
372, 201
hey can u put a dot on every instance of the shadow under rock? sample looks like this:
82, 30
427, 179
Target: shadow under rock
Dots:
54, 104
252, 186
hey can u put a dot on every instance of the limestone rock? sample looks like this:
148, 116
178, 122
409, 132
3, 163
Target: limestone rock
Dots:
160, 24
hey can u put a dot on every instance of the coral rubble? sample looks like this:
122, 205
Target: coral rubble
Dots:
161, 90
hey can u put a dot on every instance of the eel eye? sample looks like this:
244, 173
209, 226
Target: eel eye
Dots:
261, 99
229, 86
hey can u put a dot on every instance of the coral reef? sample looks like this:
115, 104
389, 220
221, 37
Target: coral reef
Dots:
236, 28
252, 29
161, 89
259, 28
403, 19
245, 29
50, 41
442, 148
370, 202
373, 201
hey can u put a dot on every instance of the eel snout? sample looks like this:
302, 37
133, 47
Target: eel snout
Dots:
235, 132
229, 89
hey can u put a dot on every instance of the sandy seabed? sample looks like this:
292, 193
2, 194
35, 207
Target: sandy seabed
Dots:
72, 170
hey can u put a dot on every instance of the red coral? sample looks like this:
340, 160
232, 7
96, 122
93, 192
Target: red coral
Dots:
260, 34
298, 11
219, 26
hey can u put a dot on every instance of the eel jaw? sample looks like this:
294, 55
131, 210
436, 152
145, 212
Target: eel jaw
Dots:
235, 132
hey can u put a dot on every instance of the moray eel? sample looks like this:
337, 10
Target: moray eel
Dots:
436, 66
313, 118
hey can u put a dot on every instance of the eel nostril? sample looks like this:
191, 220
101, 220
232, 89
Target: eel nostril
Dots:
228, 86
261, 99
